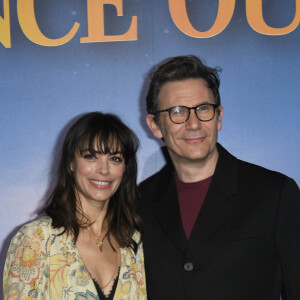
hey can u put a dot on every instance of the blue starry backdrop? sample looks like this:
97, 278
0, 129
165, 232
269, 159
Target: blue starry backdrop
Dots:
43, 88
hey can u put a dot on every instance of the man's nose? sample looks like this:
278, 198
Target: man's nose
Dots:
193, 122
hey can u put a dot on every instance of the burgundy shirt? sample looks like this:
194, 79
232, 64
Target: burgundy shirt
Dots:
191, 197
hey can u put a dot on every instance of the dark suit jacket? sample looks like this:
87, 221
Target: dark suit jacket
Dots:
245, 243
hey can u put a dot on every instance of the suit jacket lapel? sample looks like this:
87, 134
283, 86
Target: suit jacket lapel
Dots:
219, 201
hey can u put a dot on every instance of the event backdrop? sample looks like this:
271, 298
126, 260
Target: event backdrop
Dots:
63, 58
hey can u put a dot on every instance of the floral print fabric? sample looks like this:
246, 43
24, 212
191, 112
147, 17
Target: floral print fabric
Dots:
41, 264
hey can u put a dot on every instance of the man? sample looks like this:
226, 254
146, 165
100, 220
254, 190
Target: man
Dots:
215, 227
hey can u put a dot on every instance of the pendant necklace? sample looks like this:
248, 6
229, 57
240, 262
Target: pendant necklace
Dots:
99, 243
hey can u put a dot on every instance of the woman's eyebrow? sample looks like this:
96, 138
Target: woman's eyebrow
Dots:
100, 152
116, 152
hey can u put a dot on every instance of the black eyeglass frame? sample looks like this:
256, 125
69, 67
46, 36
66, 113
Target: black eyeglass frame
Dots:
189, 109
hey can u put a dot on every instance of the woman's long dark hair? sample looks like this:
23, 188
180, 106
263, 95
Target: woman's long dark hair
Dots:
108, 134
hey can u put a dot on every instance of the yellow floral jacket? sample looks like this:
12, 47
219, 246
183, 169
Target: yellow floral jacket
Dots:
41, 264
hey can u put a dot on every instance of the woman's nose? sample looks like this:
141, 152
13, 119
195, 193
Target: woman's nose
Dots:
103, 167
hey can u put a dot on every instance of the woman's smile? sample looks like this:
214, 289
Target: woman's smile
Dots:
100, 184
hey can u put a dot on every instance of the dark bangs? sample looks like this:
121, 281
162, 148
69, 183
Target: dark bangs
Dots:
105, 133
102, 143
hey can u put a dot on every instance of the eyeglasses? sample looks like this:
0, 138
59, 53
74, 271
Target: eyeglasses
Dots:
180, 114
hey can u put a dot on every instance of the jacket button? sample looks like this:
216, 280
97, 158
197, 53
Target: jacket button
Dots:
188, 267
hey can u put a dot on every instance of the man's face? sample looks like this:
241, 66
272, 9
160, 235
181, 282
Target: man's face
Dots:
194, 140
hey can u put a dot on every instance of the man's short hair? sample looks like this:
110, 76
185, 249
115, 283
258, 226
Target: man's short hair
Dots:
177, 69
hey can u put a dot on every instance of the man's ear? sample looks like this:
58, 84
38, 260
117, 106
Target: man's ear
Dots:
220, 116
153, 126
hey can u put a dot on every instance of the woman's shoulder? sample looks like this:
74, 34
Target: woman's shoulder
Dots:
42, 223
41, 227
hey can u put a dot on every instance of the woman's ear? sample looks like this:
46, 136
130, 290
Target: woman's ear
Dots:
72, 166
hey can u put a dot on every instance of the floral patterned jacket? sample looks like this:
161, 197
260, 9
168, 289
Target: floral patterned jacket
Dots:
41, 264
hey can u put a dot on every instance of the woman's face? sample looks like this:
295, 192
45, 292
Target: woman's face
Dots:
97, 177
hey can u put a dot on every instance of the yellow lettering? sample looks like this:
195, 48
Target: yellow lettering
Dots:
96, 23
180, 18
5, 37
256, 21
28, 23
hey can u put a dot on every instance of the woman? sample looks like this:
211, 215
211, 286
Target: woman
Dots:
88, 243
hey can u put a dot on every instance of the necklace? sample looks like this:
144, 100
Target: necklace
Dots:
99, 243
113, 275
